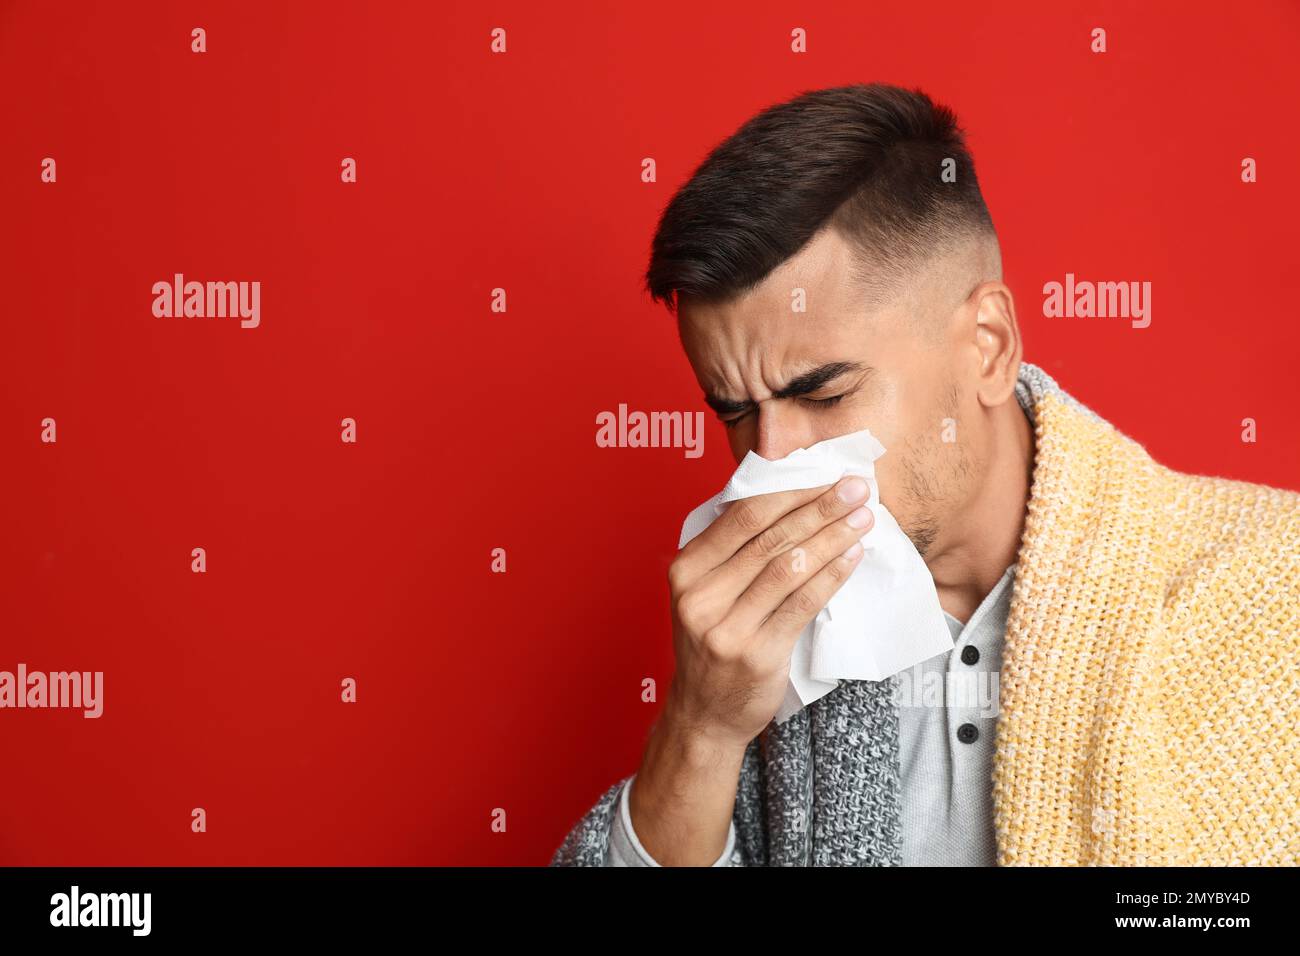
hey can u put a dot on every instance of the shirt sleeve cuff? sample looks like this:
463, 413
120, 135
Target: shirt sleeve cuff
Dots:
626, 850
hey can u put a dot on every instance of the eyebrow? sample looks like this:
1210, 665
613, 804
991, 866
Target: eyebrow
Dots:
800, 385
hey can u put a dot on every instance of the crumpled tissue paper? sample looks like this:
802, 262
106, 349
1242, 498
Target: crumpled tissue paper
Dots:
886, 617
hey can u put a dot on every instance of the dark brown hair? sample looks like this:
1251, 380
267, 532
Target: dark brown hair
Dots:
866, 159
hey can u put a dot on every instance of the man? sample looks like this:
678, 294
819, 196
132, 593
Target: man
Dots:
1142, 626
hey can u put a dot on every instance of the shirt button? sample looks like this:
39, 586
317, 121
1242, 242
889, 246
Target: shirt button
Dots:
970, 654
968, 733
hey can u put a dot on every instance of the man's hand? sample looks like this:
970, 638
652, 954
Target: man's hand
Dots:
742, 591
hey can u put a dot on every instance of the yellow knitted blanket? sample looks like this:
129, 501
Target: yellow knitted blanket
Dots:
1150, 692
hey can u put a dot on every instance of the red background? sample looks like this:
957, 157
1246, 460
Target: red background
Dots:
476, 429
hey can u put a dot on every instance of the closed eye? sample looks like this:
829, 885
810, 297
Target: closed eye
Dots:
822, 402
813, 402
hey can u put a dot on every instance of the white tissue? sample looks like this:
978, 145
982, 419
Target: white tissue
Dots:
886, 617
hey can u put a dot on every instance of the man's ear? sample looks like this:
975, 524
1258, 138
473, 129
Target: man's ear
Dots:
997, 342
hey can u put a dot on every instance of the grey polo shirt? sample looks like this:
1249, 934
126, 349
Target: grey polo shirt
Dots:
948, 707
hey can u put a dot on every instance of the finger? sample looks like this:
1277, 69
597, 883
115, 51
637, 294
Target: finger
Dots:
790, 571
845, 497
780, 632
741, 521
765, 525
726, 583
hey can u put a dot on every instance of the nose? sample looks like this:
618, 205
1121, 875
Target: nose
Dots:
781, 429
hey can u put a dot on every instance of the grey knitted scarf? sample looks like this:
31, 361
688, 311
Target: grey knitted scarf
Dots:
821, 789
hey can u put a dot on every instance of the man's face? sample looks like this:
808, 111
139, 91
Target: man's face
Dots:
892, 369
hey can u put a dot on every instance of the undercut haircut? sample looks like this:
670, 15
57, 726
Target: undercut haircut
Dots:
867, 160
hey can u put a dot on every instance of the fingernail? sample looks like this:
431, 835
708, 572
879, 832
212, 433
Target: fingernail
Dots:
859, 519
852, 489
853, 550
